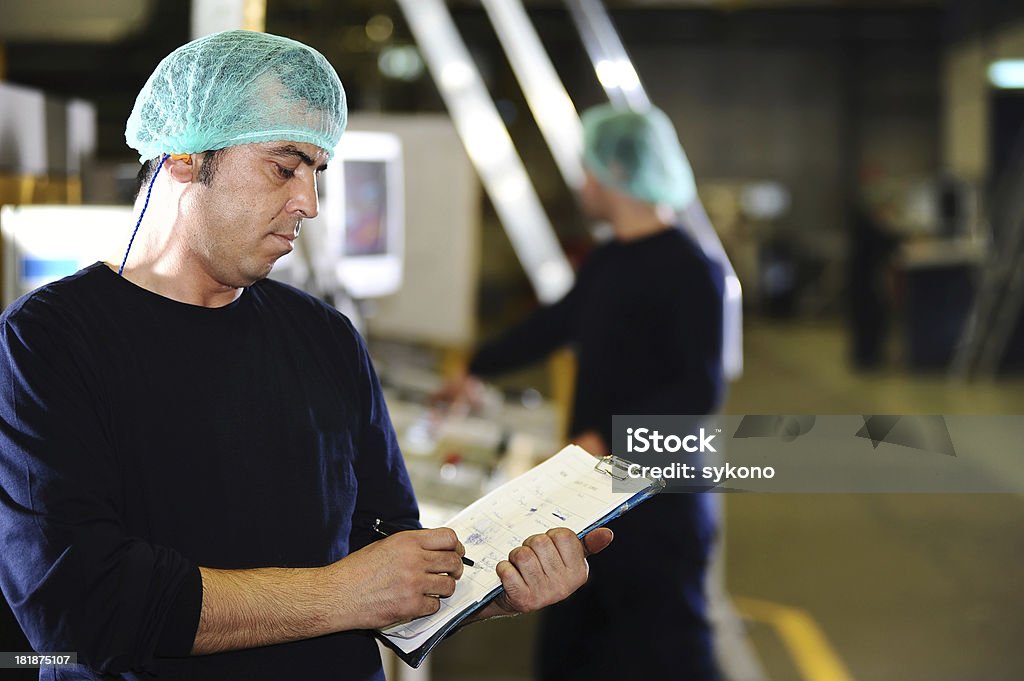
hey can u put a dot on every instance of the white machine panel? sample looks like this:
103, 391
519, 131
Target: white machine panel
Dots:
45, 243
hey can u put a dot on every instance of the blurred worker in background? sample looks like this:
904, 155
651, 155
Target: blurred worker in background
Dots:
645, 320
192, 456
873, 243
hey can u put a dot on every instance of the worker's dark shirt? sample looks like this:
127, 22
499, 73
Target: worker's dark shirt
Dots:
645, 319
141, 438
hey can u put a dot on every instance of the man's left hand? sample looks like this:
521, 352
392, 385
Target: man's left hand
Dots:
546, 569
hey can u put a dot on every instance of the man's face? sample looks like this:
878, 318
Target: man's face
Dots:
251, 212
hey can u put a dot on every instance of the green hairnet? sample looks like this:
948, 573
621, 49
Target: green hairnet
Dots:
637, 153
237, 87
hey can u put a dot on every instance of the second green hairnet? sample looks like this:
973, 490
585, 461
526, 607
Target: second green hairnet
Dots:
237, 87
637, 153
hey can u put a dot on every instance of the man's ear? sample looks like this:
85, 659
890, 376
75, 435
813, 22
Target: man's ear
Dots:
181, 167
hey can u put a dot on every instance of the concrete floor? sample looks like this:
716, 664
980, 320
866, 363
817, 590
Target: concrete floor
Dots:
897, 587
846, 587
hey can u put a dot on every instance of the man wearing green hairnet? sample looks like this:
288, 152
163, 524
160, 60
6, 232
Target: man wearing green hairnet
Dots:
645, 321
192, 456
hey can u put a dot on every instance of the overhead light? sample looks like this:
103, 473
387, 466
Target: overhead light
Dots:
401, 62
764, 200
1007, 73
379, 28
618, 73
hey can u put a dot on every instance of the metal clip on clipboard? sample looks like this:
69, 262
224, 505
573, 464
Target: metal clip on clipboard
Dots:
612, 465
618, 469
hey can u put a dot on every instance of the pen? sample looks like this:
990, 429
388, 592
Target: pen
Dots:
386, 529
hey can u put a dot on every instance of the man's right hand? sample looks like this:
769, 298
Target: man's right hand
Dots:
462, 393
396, 579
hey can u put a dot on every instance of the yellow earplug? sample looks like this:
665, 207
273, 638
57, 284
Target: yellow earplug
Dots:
187, 158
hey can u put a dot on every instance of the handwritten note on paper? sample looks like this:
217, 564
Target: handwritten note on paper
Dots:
564, 491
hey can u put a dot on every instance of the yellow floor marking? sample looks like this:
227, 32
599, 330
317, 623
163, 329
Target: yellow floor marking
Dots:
810, 650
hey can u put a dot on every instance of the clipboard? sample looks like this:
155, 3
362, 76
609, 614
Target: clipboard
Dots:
572, 475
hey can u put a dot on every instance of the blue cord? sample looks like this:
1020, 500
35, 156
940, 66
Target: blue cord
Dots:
149, 190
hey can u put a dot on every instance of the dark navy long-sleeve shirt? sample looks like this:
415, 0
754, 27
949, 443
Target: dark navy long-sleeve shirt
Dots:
645, 320
142, 437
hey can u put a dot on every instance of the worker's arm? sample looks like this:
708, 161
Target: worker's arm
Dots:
75, 578
546, 329
393, 580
